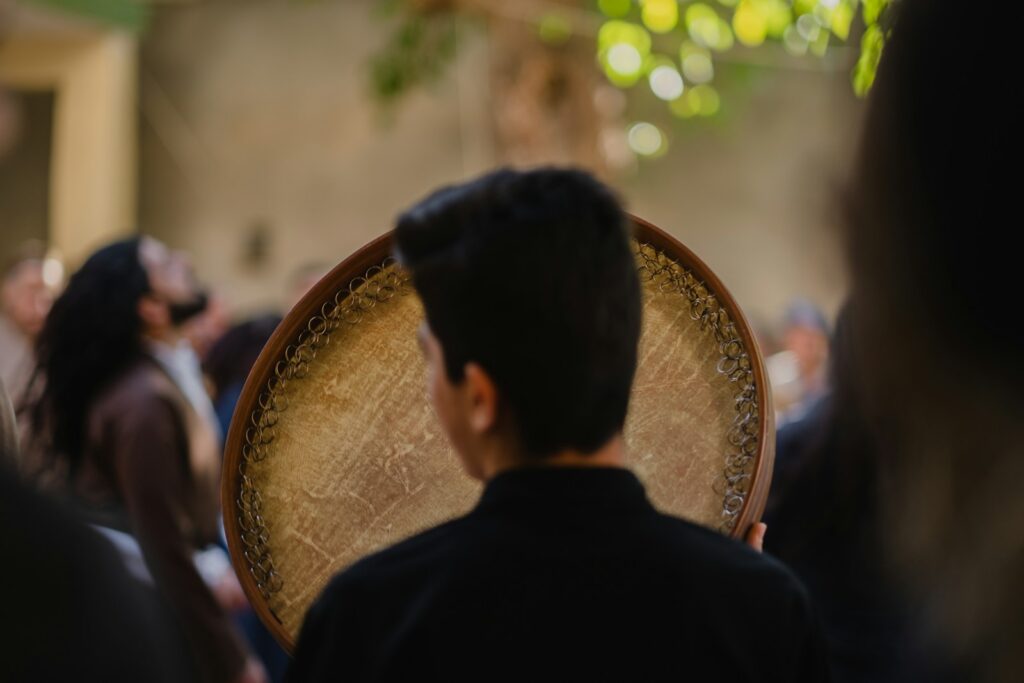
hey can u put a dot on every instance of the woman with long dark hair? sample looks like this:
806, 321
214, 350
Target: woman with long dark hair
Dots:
139, 461
936, 293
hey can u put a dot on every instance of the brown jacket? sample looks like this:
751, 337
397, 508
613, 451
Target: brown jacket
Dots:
148, 454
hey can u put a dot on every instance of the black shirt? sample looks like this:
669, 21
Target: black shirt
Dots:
569, 574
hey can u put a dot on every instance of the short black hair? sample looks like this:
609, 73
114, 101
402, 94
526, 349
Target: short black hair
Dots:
531, 275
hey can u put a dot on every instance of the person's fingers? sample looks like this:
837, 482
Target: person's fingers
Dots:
755, 536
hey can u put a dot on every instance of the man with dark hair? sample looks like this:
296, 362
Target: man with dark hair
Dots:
563, 569
122, 420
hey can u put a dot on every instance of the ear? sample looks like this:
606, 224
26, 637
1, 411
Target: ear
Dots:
154, 313
481, 396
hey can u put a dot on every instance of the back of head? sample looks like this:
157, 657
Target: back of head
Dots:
531, 276
92, 332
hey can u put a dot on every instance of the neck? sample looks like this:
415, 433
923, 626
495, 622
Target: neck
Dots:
611, 454
168, 335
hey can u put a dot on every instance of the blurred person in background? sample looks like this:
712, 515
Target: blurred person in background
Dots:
935, 294
799, 372
229, 360
25, 299
121, 413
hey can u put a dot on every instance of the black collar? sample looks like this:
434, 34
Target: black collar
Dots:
564, 487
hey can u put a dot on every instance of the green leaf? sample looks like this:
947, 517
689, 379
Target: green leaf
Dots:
841, 19
867, 65
872, 10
